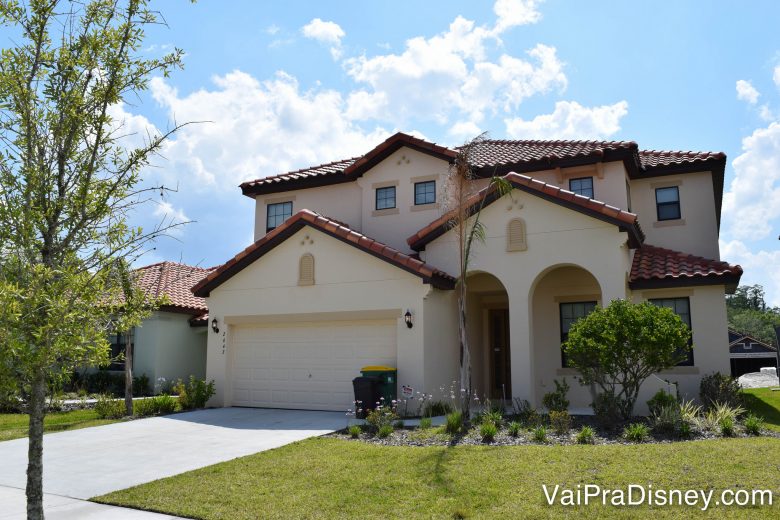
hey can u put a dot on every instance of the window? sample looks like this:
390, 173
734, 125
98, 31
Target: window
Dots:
583, 186
424, 192
570, 313
682, 308
118, 343
628, 195
667, 203
385, 197
277, 214
748, 346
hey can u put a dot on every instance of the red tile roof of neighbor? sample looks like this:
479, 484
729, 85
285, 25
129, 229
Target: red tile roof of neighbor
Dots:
175, 281
659, 267
333, 228
623, 219
493, 157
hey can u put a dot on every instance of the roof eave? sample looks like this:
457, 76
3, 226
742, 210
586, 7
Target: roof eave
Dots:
730, 281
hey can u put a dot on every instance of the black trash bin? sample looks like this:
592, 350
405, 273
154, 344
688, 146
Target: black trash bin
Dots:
366, 394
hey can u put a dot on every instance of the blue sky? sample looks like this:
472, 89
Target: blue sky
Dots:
288, 84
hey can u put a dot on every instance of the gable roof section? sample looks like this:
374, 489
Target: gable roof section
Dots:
343, 171
435, 277
657, 267
174, 280
736, 337
593, 208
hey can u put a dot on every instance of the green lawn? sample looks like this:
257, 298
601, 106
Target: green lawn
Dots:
766, 403
14, 425
332, 478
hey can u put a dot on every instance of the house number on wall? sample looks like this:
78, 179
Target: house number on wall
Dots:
223, 342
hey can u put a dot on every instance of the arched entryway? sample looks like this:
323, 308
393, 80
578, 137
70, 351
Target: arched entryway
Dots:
559, 297
487, 311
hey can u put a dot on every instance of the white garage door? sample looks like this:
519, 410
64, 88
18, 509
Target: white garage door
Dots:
308, 366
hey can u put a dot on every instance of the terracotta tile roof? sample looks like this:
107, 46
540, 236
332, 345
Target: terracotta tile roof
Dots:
489, 157
491, 153
623, 219
658, 158
333, 228
199, 321
659, 267
175, 281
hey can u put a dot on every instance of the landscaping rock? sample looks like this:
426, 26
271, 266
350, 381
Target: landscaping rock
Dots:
764, 379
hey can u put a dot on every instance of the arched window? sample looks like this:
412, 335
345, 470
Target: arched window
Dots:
515, 235
306, 270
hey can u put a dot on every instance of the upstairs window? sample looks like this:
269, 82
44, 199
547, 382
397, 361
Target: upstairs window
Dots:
385, 197
570, 313
682, 308
424, 192
667, 203
582, 186
277, 214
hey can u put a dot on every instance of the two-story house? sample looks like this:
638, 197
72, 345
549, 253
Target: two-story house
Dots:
355, 261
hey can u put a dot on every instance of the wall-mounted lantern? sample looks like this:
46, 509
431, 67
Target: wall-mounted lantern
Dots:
408, 318
215, 325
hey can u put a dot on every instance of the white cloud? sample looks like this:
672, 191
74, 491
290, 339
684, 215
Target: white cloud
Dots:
776, 76
760, 267
329, 33
511, 13
751, 203
570, 120
257, 128
272, 29
747, 92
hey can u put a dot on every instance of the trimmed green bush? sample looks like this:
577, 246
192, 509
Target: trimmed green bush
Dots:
539, 434
726, 427
753, 424
454, 423
586, 435
108, 408
425, 423
636, 432
194, 394
514, 429
660, 400
717, 388
385, 431
488, 431
560, 421
354, 431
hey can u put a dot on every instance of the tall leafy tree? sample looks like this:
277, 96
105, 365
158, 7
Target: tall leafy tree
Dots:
68, 183
748, 313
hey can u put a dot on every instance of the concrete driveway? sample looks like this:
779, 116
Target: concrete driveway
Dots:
84, 463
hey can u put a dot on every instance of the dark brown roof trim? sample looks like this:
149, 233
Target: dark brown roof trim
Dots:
729, 280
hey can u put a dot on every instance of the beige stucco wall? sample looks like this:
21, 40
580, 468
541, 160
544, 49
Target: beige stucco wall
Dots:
556, 237
166, 346
609, 180
350, 285
697, 232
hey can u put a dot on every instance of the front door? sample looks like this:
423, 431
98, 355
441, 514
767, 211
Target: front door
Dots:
500, 380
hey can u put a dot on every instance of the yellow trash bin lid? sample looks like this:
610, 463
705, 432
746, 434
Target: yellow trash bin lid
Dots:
378, 368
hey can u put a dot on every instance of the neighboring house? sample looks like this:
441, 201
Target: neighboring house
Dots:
171, 343
749, 354
345, 251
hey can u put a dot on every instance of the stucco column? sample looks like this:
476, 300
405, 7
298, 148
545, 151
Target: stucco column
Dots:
217, 364
520, 350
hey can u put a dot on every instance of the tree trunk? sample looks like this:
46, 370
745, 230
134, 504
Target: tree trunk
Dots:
465, 353
129, 374
37, 410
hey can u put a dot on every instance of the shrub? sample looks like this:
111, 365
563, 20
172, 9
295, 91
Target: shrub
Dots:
718, 388
514, 428
607, 410
454, 422
560, 422
164, 403
436, 409
753, 424
385, 431
108, 408
636, 432
539, 434
685, 430
489, 416
660, 400
586, 435
194, 394
380, 417
556, 400
141, 386
354, 431
425, 423
726, 427
488, 431
689, 411
642, 336
161, 404
666, 419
